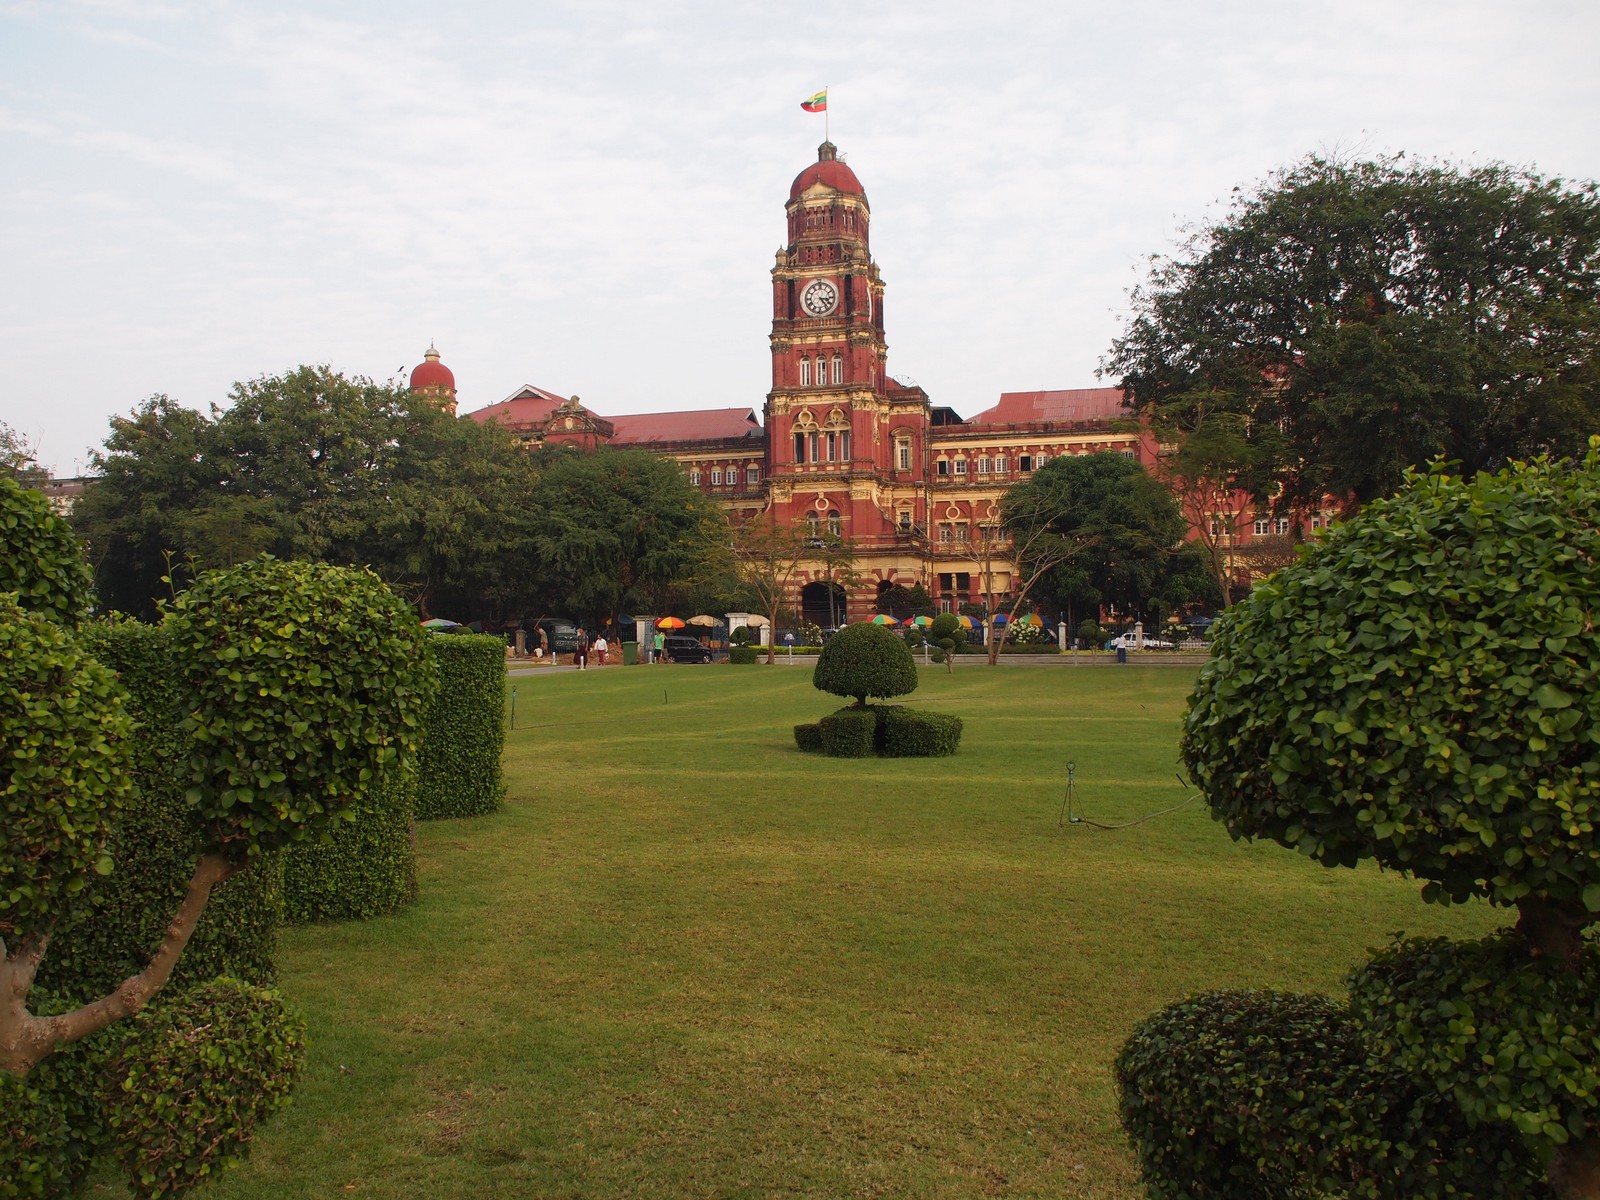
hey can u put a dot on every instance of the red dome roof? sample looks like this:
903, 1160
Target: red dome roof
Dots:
827, 170
431, 373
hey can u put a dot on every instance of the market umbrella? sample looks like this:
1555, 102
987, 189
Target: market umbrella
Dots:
440, 623
924, 621
702, 619
1001, 618
1030, 619
883, 619
967, 622
669, 623
757, 621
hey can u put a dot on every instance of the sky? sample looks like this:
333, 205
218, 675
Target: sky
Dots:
587, 196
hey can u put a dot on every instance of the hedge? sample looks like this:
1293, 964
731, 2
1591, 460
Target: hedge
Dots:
917, 733
1260, 1095
365, 863
744, 655
849, 733
458, 772
112, 927
809, 738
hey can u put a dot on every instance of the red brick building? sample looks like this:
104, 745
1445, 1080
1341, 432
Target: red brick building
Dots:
842, 443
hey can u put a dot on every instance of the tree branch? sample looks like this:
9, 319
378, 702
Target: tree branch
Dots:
26, 1040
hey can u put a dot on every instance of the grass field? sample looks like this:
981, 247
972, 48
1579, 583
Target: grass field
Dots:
687, 960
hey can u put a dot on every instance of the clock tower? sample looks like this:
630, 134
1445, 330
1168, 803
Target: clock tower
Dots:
845, 440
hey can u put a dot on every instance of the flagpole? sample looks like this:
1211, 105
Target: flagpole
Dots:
825, 135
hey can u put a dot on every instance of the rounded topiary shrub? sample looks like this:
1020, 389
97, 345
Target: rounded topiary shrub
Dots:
362, 865
194, 1077
865, 660
41, 560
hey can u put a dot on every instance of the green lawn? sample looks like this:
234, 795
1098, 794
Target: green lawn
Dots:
687, 960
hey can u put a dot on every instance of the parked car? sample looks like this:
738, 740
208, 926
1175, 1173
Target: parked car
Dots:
686, 650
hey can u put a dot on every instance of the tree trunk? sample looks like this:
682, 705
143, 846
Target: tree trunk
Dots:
26, 1040
1574, 1171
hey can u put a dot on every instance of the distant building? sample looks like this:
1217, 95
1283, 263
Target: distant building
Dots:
844, 445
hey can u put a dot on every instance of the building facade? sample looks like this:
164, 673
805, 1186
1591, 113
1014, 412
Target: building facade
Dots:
841, 445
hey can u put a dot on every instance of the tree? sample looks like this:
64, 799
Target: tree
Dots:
1376, 316
17, 458
865, 660
41, 563
306, 686
619, 527
314, 465
1419, 690
766, 556
1105, 531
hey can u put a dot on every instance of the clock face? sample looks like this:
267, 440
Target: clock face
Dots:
820, 298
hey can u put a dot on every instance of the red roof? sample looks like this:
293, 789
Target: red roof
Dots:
527, 405
1074, 404
692, 426
827, 170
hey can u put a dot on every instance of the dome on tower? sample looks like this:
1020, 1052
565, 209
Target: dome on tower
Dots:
827, 170
431, 373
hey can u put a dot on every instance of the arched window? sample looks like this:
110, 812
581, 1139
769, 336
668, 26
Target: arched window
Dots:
902, 454
834, 526
838, 369
805, 372
822, 371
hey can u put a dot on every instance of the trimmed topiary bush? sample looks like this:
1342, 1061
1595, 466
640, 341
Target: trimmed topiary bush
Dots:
865, 660
113, 926
1260, 1095
194, 1078
917, 733
365, 863
742, 655
41, 560
808, 737
458, 767
849, 733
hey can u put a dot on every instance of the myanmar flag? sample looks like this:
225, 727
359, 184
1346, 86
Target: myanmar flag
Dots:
817, 103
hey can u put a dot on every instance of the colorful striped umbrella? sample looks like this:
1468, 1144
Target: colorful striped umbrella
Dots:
968, 623
1030, 619
883, 619
922, 622
669, 623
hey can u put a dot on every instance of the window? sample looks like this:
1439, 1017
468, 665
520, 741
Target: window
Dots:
805, 372
822, 371
833, 522
833, 446
1283, 524
1262, 527
902, 454
1024, 463
1039, 460
999, 464
961, 466
799, 447
1316, 522
983, 464
943, 467
752, 475
838, 369
944, 533
716, 477
813, 444
905, 521
694, 478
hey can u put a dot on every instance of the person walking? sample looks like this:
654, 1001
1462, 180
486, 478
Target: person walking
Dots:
580, 653
660, 647
600, 648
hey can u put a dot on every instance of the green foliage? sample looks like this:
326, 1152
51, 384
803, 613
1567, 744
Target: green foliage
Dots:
1260, 1095
1124, 523
620, 526
849, 733
193, 1080
40, 559
743, 654
917, 733
64, 762
306, 685
363, 865
1508, 1037
809, 738
311, 464
865, 660
1373, 316
51, 1120
740, 636
1420, 689
111, 928
458, 768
